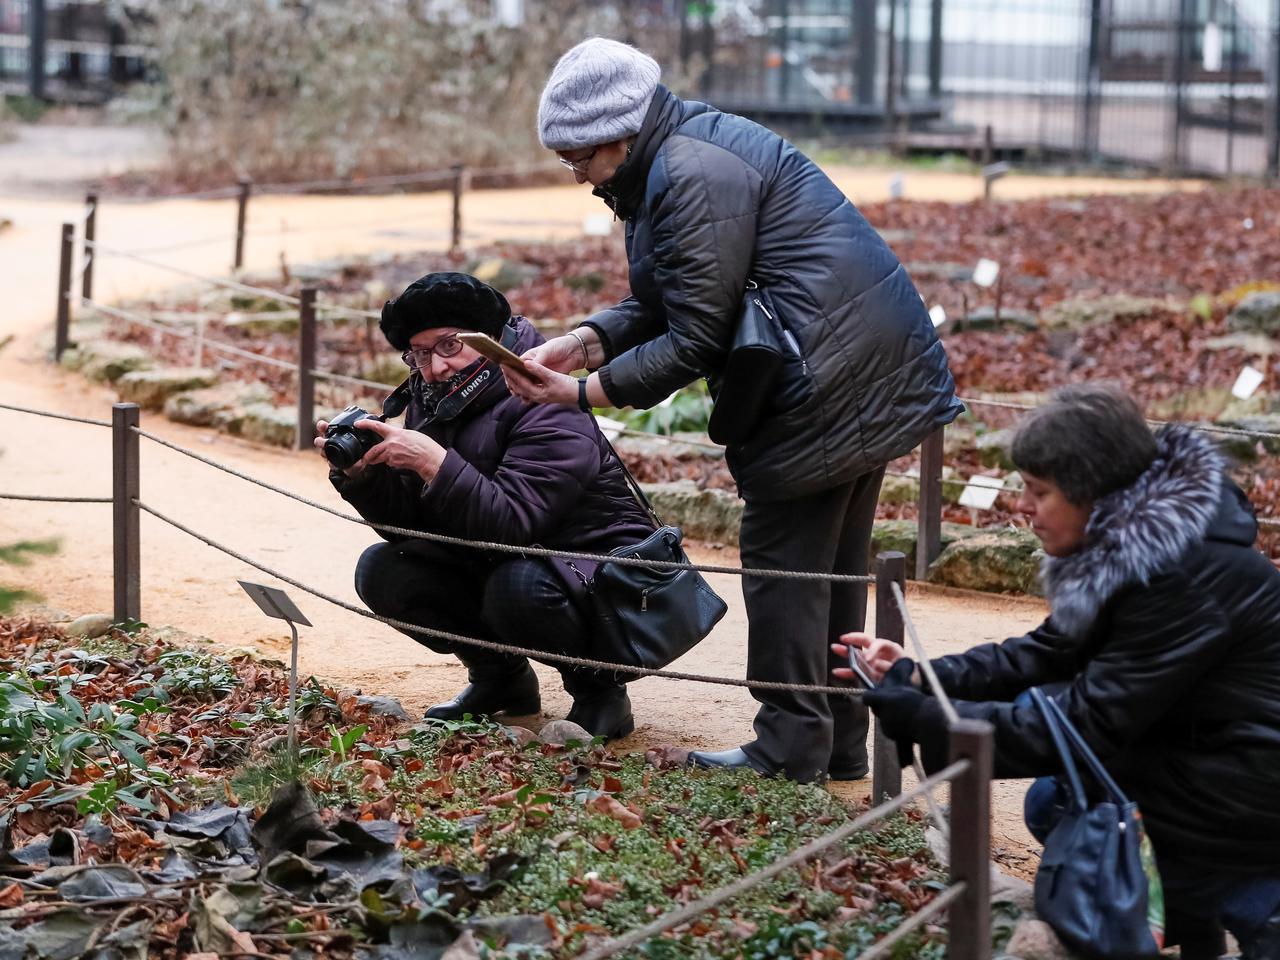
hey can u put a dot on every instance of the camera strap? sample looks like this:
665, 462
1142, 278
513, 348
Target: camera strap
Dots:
397, 400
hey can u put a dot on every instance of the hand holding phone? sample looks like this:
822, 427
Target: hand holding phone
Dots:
486, 346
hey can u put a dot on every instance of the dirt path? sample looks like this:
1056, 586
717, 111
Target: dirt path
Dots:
194, 587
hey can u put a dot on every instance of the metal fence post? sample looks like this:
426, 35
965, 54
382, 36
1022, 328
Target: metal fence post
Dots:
307, 364
929, 516
242, 215
969, 919
459, 178
90, 234
124, 511
886, 772
62, 326
37, 47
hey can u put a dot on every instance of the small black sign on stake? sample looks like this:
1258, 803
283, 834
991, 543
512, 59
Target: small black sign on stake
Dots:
276, 603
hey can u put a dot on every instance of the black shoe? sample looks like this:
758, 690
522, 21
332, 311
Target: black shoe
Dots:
517, 694
735, 759
607, 716
852, 773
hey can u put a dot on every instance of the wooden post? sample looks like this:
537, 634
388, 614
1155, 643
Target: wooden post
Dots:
459, 178
929, 518
90, 234
124, 512
988, 145
886, 772
306, 364
969, 925
242, 216
62, 326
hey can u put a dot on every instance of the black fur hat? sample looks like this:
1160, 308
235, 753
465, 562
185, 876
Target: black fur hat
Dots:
444, 300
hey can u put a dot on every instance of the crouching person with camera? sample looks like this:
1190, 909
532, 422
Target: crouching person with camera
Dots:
474, 462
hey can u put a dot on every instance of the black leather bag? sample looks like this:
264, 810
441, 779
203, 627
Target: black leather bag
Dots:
649, 616
1097, 884
755, 358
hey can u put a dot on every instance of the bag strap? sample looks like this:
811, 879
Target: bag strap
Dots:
1088, 756
1059, 739
631, 482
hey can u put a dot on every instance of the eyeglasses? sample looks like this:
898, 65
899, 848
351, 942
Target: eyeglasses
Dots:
580, 165
419, 357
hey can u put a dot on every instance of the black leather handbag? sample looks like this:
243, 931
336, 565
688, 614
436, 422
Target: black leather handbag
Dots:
755, 358
650, 616
1097, 884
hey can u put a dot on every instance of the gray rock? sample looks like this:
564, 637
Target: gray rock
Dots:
151, 388
943, 270
90, 626
220, 406
562, 731
520, 736
900, 535
984, 318
695, 446
1256, 313
995, 449
386, 368
277, 426
1246, 448
900, 490
264, 321
1013, 891
1249, 342
1081, 312
713, 515
996, 560
593, 281
383, 706
109, 360
502, 274
1035, 940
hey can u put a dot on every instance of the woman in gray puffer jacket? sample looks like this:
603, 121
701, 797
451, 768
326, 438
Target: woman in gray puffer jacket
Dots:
712, 202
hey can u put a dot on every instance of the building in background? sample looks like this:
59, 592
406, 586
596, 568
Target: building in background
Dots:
67, 51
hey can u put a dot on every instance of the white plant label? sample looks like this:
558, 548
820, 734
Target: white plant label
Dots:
895, 187
981, 492
1247, 383
985, 273
938, 315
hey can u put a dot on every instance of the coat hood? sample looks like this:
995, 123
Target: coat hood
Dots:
1144, 528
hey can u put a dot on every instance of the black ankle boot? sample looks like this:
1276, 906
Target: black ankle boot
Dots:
605, 715
516, 694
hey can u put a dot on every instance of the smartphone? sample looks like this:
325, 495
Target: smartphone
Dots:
486, 346
855, 664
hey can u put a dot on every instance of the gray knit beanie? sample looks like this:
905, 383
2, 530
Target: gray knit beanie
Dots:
599, 92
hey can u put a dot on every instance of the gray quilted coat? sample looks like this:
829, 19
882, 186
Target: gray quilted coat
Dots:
712, 200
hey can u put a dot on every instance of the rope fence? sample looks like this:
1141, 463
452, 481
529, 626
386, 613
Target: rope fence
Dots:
969, 772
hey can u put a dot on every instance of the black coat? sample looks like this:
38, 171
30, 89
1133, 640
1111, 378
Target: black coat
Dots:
1167, 628
514, 473
712, 200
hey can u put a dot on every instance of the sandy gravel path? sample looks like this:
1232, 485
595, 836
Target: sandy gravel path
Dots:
193, 587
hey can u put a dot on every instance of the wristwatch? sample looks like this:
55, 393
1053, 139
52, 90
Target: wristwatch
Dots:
583, 403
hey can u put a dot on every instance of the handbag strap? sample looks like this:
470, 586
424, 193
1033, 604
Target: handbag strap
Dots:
1080, 802
631, 482
1088, 756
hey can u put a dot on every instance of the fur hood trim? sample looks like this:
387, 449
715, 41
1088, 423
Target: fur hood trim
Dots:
1139, 530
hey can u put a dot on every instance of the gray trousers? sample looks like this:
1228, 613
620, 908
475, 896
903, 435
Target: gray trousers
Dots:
794, 622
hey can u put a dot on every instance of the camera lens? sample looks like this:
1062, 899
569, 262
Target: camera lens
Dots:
344, 450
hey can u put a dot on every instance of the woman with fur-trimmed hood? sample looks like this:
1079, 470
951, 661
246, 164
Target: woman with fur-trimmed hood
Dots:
1163, 641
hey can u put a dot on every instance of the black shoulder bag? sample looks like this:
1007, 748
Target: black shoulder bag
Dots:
755, 358
1097, 885
650, 616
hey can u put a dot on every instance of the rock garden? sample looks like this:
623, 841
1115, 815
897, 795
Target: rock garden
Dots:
1171, 296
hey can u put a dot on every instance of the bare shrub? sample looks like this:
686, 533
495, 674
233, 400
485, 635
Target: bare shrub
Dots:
280, 90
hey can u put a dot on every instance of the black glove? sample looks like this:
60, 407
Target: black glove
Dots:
897, 704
